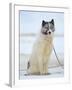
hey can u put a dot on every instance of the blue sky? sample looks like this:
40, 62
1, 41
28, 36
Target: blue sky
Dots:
30, 22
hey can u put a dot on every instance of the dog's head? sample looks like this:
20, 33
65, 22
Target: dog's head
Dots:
48, 28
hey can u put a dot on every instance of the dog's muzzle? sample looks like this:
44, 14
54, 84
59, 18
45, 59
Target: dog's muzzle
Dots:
49, 32
46, 33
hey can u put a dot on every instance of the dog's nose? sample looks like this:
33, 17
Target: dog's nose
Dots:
49, 32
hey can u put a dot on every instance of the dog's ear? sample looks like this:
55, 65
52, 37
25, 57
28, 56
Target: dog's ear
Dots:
52, 21
43, 23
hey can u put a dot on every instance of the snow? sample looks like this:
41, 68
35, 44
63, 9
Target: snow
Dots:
54, 72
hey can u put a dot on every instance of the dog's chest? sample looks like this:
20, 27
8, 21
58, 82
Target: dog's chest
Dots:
44, 47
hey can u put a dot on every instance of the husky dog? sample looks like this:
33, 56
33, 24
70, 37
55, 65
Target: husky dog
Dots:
38, 62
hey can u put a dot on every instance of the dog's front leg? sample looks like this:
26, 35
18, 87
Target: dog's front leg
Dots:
41, 68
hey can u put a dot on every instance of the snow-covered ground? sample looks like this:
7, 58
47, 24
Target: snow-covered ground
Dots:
53, 73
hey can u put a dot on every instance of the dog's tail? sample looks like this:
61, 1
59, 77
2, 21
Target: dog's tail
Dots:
28, 65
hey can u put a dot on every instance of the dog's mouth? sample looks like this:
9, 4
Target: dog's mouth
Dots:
47, 33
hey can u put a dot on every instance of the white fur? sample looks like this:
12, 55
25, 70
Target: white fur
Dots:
40, 55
